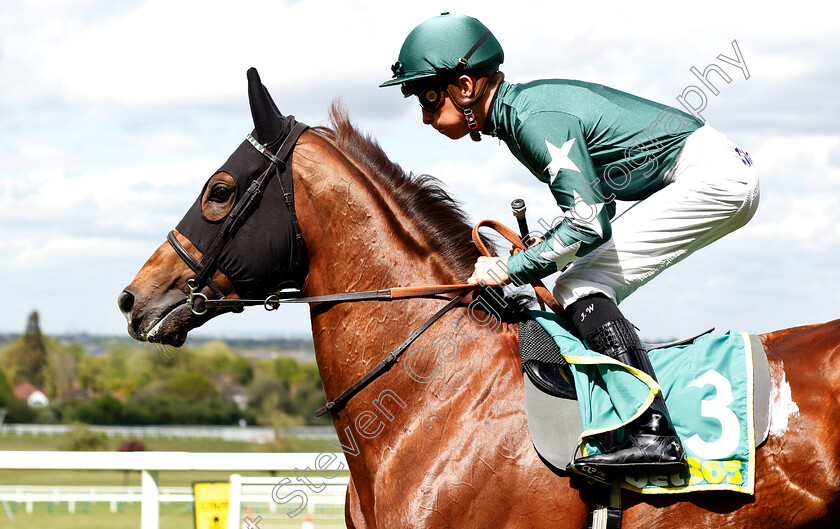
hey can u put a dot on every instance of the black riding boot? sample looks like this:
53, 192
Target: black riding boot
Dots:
652, 445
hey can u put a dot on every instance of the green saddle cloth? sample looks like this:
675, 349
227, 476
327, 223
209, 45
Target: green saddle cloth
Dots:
707, 387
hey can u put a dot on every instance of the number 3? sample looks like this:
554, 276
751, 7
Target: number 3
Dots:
716, 408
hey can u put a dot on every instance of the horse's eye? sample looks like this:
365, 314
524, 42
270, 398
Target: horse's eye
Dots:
219, 197
220, 193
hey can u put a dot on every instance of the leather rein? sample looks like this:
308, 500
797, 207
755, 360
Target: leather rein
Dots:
199, 303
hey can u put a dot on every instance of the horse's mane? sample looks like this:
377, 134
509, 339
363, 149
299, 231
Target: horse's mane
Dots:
422, 197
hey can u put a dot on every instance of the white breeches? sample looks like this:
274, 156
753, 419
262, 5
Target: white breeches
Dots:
713, 192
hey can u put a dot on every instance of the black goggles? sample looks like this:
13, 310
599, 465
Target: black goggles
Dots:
431, 97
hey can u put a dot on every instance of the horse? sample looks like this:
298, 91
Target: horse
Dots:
441, 440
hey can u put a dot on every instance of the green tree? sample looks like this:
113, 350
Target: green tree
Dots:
61, 373
82, 438
194, 386
262, 388
217, 349
123, 388
6, 392
271, 415
119, 362
242, 370
287, 369
26, 358
46, 416
305, 393
20, 412
104, 409
91, 373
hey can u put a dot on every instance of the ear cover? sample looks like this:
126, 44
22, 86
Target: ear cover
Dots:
259, 258
268, 121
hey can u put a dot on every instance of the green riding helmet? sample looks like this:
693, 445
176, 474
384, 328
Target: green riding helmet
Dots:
443, 44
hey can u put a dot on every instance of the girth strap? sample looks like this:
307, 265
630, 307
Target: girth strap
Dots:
389, 360
605, 507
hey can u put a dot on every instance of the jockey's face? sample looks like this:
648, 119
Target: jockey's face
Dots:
447, 119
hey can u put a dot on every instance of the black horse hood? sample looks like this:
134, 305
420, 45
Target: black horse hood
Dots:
260, 257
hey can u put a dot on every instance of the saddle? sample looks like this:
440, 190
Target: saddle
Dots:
553, 415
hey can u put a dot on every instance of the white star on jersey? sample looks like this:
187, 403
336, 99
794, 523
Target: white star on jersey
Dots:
585, 215
560, 253
560, 158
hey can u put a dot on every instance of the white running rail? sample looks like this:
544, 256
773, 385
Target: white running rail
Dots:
150, 464
256, 434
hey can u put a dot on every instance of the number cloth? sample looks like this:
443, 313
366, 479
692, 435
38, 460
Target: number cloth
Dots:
593, 145
708, 388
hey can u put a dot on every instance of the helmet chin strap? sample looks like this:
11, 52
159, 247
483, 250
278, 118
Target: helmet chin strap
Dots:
465, 104
472, 124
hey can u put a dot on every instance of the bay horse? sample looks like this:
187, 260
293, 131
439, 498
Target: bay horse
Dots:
441, 440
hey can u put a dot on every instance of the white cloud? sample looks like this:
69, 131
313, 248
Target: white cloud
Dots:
113, 114
800, 194
167, 143
136, 200
41, 255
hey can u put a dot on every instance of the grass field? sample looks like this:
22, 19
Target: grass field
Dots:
172, 516
97, 516
43, 442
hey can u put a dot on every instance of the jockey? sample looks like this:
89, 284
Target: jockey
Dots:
591, 145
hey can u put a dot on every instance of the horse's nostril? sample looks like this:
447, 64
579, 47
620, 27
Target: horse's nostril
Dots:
125, 301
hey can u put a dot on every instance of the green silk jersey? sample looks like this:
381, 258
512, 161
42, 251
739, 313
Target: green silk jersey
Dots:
592, 145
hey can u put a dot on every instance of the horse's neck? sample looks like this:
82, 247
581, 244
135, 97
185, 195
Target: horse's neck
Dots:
356, 234
359, 239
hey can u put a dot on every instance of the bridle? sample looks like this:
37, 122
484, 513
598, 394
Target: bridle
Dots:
199, 303
239, 214
244, 208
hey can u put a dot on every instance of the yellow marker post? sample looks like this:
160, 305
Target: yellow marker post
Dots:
211, 504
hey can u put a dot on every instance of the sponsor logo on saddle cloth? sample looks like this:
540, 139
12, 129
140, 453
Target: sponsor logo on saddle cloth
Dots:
708, 387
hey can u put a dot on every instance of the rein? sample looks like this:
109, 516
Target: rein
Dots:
274, 301
543, 294
389, 360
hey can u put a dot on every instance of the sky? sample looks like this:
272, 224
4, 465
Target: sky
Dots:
114, 113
